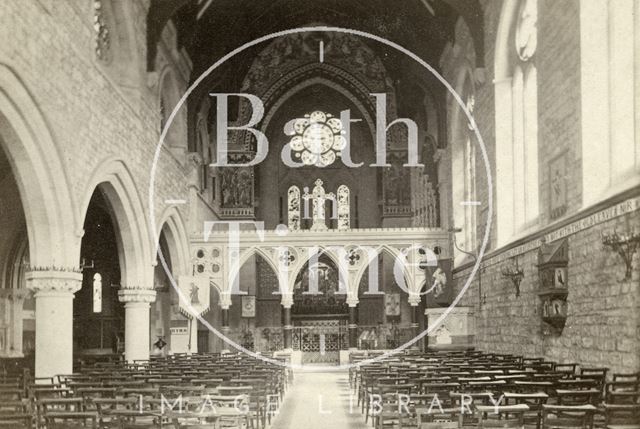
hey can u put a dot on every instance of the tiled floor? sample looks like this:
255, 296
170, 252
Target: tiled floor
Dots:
320, 400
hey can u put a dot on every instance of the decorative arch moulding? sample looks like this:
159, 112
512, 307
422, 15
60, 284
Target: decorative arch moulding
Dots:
54, 269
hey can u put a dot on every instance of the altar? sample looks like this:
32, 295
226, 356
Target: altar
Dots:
320, 341
319, 318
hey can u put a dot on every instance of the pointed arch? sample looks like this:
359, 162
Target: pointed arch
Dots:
52, 224
352, 95
175, 233
305, 257
13, 271
380, 250
134, 241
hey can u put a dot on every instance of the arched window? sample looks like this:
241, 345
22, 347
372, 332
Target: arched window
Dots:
293, 208
344, 207
97, 293
324, 209
516, 89
609, 94
463, 165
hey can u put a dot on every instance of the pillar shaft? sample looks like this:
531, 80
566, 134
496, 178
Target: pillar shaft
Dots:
225, 320
353, 327
287, 327
425, 340
13, 302
226, 329
17, 303
53, 292
415, 325
136, 322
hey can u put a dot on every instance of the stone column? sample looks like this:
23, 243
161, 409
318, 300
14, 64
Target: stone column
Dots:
13, 302
425, 340
287, 327
353, 327
53, 291
225, 321
225, 329
136, 322
16, 300
193, 335
415, 326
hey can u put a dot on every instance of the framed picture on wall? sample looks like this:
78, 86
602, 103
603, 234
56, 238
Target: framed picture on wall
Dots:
248, 306
392, 304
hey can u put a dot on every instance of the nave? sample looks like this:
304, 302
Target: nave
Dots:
423, 390
320, 197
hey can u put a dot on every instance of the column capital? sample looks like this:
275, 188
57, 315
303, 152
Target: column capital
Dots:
414, 299
50, 282
144, 295
352, 302
287, 300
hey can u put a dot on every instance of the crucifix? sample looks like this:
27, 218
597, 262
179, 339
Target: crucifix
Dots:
319, 198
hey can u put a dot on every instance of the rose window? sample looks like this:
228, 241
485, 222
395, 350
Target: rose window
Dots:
318, 139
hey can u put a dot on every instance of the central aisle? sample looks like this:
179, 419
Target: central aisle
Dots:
320, 400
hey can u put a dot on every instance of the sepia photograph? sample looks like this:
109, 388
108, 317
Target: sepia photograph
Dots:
309, 214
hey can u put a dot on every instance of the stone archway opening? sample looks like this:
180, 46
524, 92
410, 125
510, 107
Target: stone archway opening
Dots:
17, 307
98, 314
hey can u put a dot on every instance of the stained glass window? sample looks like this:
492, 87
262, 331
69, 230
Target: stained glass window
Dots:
317, 139
320, 207
293, 199
344, 207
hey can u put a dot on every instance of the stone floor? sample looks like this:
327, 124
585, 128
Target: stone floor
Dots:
320, 400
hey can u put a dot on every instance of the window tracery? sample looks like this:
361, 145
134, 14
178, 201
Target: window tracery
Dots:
317, 139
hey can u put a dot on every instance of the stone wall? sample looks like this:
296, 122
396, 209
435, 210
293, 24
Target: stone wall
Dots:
50, 46
603, 326
602, 308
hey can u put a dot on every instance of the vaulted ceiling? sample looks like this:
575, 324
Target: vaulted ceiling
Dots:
209, 29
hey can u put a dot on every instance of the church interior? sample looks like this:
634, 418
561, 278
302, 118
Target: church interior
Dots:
336, 213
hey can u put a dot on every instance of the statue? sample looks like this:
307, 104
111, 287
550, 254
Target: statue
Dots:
439, 282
